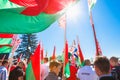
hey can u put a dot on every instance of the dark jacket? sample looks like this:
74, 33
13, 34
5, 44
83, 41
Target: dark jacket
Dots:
15, 73
107, 78
51, 76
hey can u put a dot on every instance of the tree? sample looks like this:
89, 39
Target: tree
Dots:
27, 46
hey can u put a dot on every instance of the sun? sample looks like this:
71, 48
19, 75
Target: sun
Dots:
73, 12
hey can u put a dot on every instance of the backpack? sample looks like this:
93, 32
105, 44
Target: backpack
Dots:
116, 72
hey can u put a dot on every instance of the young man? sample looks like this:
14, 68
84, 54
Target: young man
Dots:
3, 70
102, 68
87, 72
54, 71
115, 71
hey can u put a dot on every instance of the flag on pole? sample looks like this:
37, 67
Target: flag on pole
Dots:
54, 51
66, 61
5, 43
81, 58
62, 21
30, 16
91, 4
33, 69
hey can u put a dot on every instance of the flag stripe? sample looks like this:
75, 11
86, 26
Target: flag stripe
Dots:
5, 49
29, 72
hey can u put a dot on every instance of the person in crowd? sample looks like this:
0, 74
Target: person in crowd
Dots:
87, 72
54, 70
102, 68
115, 71
3, 70
44, 68
17, 73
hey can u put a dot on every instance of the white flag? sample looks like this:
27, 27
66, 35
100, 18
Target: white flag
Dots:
91, 3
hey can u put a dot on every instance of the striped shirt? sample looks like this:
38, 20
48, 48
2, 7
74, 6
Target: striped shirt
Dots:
3, 73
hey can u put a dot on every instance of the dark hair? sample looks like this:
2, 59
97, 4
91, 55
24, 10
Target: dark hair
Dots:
87, 62
46, 59
54, 63
4, 62
115, 59
103, 64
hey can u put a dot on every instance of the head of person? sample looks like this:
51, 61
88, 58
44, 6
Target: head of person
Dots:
5, 63
21, 64
87, 62
102, 66
55, 67
114, 61
19, 75
45, 60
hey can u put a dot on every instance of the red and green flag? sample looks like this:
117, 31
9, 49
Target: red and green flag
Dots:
33, 69
81, 57
30, 16
54, 51
5, 43
66, 61
91, 4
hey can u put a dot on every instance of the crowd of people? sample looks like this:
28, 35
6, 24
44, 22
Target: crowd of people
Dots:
102, 69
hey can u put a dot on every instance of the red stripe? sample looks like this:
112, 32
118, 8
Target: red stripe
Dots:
53, 57
35, 59
6, 35
80, 53
66, 53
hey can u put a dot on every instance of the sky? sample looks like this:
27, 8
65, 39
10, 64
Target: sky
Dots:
106, 17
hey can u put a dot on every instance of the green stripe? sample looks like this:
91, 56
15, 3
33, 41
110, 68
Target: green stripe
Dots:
5, 41
29, 72
5, 49
12, 22
67, 70
17, 23
6, 4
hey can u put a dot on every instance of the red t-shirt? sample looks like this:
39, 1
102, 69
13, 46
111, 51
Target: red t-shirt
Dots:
73, 71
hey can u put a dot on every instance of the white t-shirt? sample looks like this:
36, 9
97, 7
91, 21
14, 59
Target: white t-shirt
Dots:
87, 73
44, 70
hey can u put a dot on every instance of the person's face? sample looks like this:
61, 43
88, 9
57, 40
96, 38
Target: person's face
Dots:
112, 63
20, 78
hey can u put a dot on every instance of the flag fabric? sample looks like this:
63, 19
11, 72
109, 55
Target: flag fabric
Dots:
91, 4
98, 49
42, 55
30, 16
66, 61
81, 57
62, 21
5, 43
54, 51
33, 69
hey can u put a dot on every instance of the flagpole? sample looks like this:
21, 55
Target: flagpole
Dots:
93, 28
65, 31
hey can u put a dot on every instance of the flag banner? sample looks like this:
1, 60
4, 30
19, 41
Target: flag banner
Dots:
31, 16
91, 4
66, 61
62, 21
5, 43
54, 51
33, 69
80, 58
